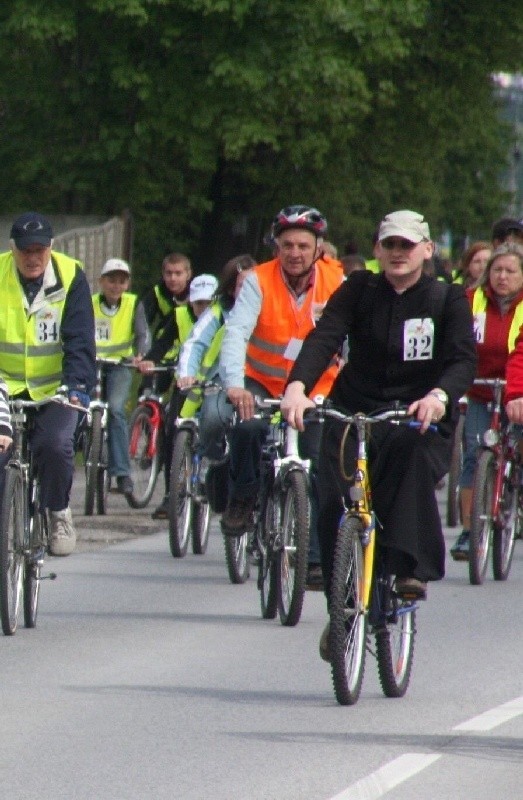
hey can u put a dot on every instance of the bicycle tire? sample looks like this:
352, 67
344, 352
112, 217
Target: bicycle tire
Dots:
270, 518
144, 466
11, 551
180, 493
348, 620
504, 534
456, 463
236, 558
291, 568
33, 568
200, 526
93, 447
395, 650
102, 479
481, 522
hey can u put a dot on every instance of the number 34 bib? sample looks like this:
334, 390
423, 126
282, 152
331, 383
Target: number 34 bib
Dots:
418, 339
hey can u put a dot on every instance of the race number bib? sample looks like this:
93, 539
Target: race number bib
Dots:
418, 339
103, 330
47, 322
479, 326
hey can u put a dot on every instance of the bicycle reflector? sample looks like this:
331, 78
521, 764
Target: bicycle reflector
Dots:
491, 437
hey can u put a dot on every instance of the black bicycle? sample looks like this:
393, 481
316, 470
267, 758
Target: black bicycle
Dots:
24, 527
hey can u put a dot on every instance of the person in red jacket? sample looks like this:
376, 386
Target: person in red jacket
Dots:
497, 307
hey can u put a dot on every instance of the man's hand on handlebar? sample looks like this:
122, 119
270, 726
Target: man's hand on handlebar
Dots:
514, 410
294, 403
243, 401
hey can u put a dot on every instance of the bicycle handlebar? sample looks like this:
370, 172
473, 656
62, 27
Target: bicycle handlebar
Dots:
18, 403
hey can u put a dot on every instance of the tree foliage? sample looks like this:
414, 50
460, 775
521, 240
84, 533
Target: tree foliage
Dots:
203, 117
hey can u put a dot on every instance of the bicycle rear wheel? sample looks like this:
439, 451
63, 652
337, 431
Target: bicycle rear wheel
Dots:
33, 567
11, 551
395, 648
481, 522
92, 454
236, 558
267, 571
180, 493
348, 620
144, 458
505, 533
293, 556
453, 509
102, 479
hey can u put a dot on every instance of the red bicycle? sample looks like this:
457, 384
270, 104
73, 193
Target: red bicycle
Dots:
495, 518
146, 433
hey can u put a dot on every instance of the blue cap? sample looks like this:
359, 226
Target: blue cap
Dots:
31, 228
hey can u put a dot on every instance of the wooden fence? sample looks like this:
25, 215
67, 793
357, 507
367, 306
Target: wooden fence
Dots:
94, 245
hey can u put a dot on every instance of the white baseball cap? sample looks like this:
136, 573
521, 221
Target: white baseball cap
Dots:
406, 225
202, 287
115, 265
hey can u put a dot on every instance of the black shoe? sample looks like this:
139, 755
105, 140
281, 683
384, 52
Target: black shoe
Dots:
460, 549
314, 582
411, 589
124, 484
162, 512
237, 517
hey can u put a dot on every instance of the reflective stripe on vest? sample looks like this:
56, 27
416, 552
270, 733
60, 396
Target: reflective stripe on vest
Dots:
479, 306
114, 334
283, 324
31, 349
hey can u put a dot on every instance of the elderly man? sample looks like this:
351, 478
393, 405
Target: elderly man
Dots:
279, 303
47, 341
410, 340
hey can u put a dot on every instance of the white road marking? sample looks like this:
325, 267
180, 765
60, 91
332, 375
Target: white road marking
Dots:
387, 777
494, 717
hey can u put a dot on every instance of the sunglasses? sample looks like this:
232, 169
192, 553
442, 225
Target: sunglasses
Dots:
401, 244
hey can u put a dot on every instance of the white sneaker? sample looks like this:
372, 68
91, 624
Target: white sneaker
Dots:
62, 535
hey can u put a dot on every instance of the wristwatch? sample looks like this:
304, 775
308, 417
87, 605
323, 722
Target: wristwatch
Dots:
441, 395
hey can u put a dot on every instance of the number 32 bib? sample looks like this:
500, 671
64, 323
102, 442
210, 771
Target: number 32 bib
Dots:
418, 339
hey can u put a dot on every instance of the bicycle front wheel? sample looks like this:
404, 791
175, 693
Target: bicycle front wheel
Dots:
200, 526
92, 453
144, 458
11, 551
348, 620
180, 494
293, 557
481, 521
505, 532
236, 558
395, 650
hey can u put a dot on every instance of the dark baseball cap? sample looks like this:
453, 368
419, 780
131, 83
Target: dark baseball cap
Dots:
503, 227
31, 228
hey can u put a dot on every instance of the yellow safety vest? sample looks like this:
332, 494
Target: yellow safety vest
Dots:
208, 365
114, 335
31, 349
166, 308
479, 306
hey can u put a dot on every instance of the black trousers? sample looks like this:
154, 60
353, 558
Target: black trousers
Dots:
404, 469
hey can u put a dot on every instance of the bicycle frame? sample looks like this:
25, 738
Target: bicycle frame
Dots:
497, 439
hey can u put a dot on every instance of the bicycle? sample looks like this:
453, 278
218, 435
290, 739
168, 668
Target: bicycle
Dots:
24, 525
189, 509
281, 519
495, 517
146, 432
363, 596
95, 445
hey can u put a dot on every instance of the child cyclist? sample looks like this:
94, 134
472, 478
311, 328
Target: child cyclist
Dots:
201, 293
121, 332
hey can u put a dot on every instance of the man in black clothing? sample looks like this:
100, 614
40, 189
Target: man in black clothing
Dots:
410, 340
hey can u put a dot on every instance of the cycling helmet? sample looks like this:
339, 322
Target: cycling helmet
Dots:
299, 217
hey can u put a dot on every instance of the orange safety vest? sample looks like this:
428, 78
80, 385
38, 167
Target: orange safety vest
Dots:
283, 325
